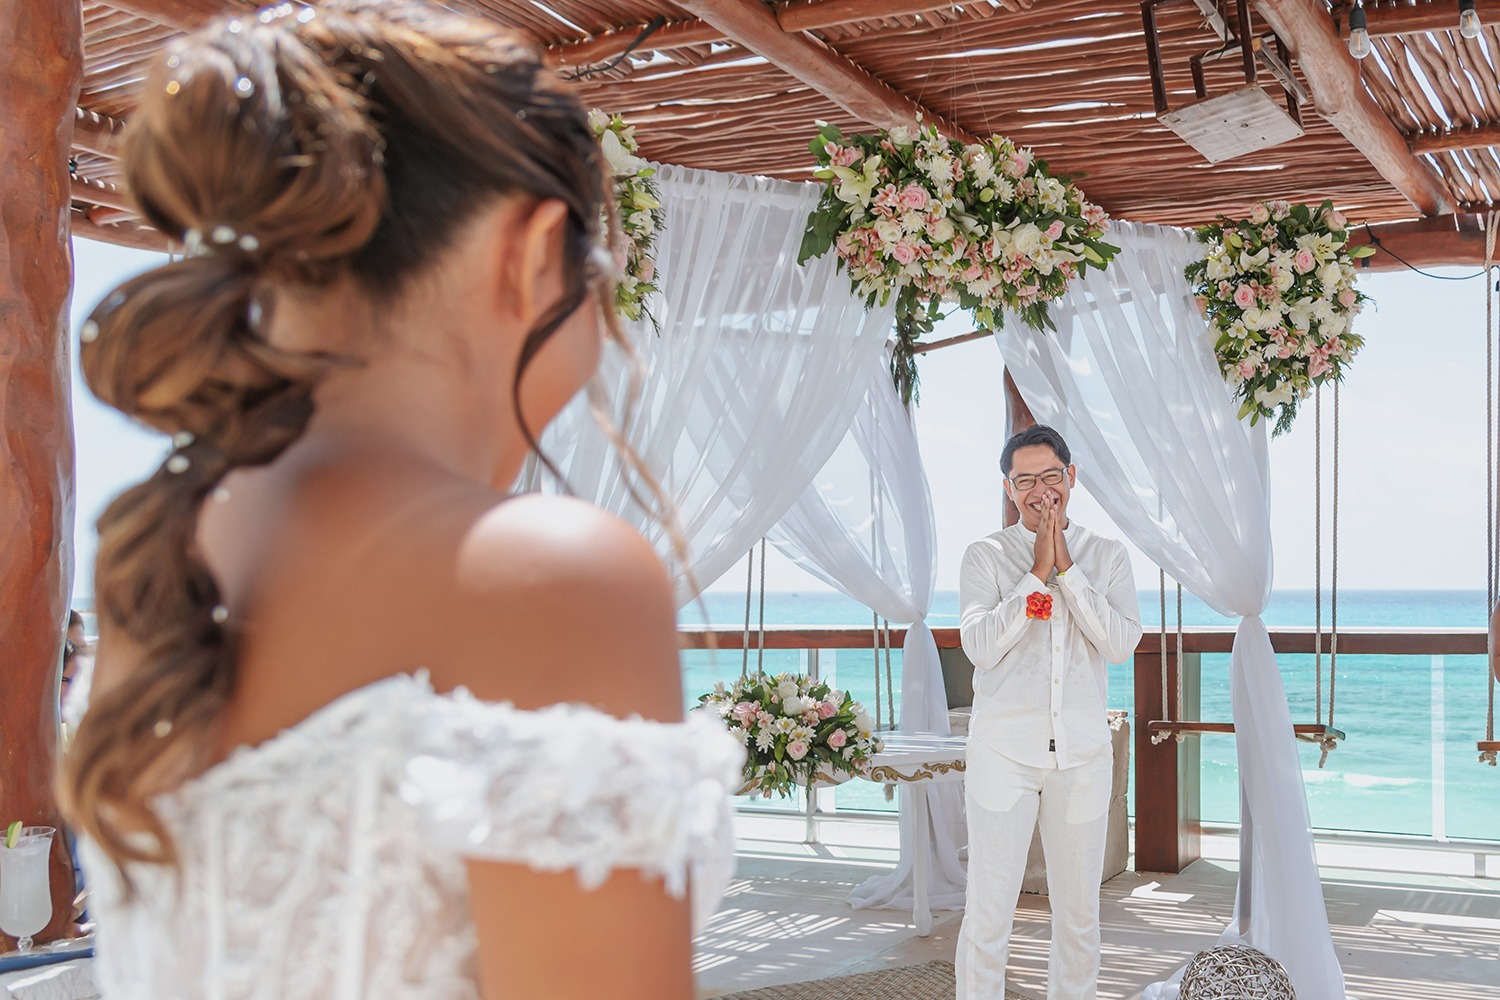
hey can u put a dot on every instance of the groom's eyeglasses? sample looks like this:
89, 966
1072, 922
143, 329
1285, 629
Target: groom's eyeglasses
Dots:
1049, 478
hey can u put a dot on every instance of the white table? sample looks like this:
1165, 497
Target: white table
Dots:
910, 758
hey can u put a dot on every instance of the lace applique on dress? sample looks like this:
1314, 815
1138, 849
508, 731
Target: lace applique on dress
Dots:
328, 862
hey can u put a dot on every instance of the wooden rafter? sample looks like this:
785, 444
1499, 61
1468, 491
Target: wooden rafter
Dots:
97, 134
1340, 97
753, 26
1480, 137
1415, 18
1439, 241
184, 15
800, 15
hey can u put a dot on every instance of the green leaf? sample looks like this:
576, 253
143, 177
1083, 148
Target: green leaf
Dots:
1363, 250
815, 145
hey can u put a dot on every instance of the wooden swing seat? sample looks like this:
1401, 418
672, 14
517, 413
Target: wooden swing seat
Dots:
1487, 745
1308, 732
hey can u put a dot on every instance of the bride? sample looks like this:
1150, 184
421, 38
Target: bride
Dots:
320, 759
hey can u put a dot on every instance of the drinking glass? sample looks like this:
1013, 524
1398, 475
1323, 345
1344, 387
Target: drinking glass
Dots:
25, 889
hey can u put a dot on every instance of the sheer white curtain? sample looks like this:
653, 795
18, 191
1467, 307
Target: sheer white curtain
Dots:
1131, 382
751, 382
865, 526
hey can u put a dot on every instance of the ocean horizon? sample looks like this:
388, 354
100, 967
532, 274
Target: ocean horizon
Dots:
1408, 766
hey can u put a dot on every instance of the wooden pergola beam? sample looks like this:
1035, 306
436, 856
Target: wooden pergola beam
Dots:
41, 71
97, 134
1439, 241
184, 15
799, 15
1478, 137
1339, 95
1411, 19
98, 193
754, 27
123, 234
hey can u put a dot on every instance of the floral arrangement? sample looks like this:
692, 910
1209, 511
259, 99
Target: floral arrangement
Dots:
1039, 606
1278, 289
641, 214
793, 727
931, 220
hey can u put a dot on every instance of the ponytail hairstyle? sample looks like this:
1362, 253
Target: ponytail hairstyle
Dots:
283, 150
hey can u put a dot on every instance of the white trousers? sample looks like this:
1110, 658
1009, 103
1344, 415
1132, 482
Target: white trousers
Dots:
1006, 801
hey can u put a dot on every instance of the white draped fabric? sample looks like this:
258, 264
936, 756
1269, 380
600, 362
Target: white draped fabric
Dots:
751, 382
1131, 382
865, 526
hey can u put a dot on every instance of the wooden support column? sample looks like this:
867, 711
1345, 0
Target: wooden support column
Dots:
1017, 418
1333, 77
1168, 806
41, 68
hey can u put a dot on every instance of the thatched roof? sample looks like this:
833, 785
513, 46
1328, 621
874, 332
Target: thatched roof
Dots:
735, 85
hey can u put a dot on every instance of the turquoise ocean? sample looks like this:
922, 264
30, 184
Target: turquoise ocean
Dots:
1409, 765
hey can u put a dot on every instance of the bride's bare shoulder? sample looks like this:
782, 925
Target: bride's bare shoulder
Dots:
577, 592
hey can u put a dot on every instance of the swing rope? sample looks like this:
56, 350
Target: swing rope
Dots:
760, 653
1491, 223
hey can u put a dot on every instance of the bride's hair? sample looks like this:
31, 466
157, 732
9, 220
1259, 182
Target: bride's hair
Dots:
283, 150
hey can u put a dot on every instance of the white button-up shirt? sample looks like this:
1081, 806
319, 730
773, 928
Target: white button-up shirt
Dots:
1040, 684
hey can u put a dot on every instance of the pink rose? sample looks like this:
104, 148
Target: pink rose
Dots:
745, 712
1347, 298
797, 749
972, 272
1287, 349
1247, 369
914, 198
1336, 219
1244, 296
904, 252
827, 710
1304, 261
1017, 164
837, 738
1055, 230
1260, 214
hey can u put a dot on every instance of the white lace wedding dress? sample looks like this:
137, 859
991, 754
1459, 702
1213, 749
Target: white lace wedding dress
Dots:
328, 862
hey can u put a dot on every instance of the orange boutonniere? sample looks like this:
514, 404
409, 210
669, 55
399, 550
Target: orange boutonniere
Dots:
1039, 606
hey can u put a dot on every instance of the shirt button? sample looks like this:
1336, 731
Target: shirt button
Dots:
1054, 715
1057, 680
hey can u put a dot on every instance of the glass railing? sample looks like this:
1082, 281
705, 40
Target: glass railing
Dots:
1408, 766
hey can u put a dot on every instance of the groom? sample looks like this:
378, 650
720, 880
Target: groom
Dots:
1045, 606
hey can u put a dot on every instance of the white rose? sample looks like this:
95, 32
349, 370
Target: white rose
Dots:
889, 231
786, 689
943, 231
1283, 280
1330, 274
903, 135
1026, 239
1256, 319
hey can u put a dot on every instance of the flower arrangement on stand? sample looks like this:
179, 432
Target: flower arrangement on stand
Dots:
641, 214
1278, 290
930, 220
793, 728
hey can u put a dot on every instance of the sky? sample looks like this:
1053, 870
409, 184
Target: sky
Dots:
1411, 458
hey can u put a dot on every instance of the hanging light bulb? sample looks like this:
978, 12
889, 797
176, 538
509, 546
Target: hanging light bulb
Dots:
1468, 19
1359, 37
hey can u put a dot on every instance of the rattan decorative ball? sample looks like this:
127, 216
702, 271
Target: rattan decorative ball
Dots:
1235, 972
